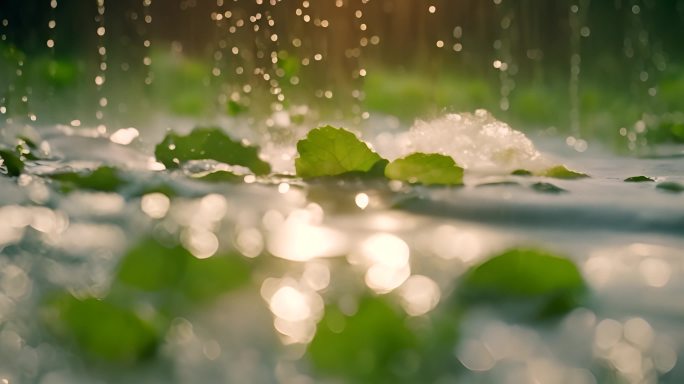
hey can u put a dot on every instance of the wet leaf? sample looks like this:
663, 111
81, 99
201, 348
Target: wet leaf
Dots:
547, 188
209, 144
535, 282
369, 346
11, 162
101, 329
427, 169
671, 186
561, 172
329, 151
220, 177
104, 179
638, 179
503, 183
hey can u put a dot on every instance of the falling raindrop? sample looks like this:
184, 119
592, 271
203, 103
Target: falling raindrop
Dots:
147, 44
101, 77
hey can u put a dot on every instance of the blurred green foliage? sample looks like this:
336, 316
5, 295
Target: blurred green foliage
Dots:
532, 284
168, 279
410, 95
638, 179
181, 84
671, 186
153, 267
547, 188
102, 329
104, 179
12, 162
369, 346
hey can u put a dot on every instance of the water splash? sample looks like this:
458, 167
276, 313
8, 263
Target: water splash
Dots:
477, 141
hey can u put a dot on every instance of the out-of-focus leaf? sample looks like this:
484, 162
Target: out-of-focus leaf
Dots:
11, 162
151, 266
503, 183
427, 169
101, 329
329, 151
370, 346
521, 172
671, 186
61, 73
234, 108
638, 179
547, 188
209, 144
208, 278
561, 172
105, 179
534, 282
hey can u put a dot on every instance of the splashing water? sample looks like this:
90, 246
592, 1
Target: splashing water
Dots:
476, 141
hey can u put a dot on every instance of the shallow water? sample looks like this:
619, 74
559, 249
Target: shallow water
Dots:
332, 242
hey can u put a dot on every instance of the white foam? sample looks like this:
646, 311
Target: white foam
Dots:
476, 141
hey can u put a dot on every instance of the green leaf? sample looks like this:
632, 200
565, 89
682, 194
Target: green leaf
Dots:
561, 172
105, 179
233, 108
151, 266
209, 144
209, 278
329, 151
521, 172
427, 169
671, 186
547, 188
368, 346
534, 281
220, 177
503, 183
638, 179
101, 329
11, 162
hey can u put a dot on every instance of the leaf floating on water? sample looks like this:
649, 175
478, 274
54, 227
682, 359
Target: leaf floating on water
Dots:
427, 169
561, 172
209, 144
329, 151
104, 179
547, 188
521, 172
102, 329
503, 183
535, 282
671, 186
11, 162
220, 177
638, 179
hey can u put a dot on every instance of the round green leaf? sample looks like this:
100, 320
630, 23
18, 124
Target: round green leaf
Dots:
428, 169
